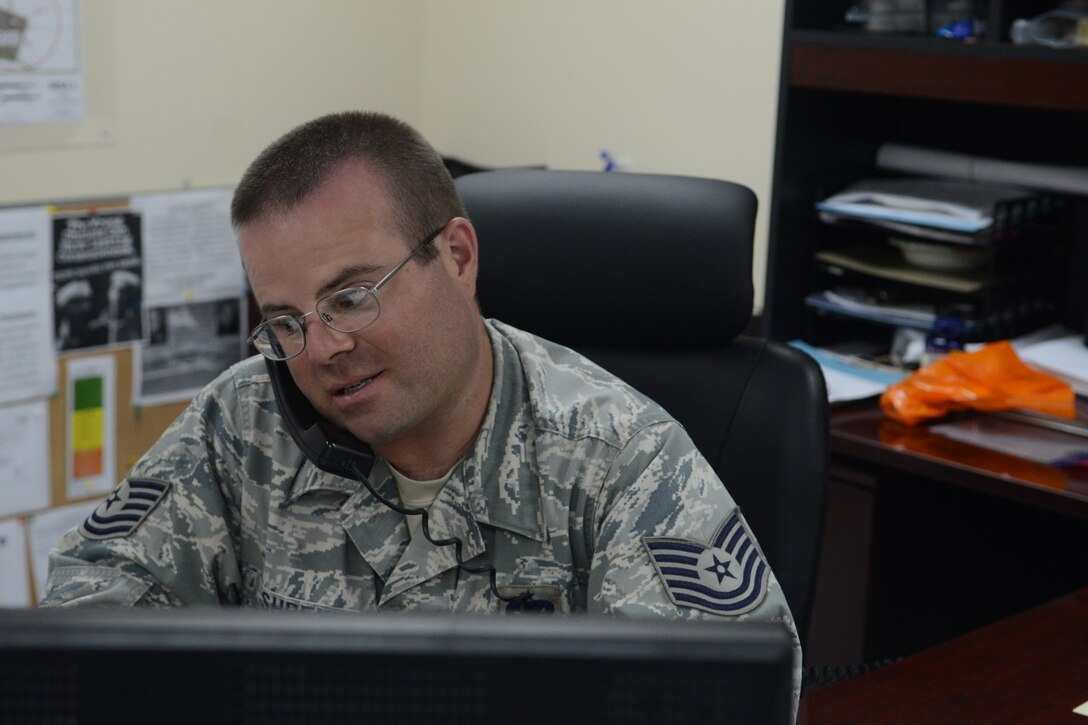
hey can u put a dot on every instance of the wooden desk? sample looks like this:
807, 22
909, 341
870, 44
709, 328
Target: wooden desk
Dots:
928, 538
861, 432
1028, 668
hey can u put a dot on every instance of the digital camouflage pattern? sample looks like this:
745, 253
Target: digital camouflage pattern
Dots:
571, 472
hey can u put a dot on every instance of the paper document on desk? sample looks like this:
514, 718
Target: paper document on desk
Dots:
1065, 357
946, 204
847, 379
1030, 442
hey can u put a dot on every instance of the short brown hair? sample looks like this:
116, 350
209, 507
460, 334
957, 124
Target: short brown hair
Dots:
419, 186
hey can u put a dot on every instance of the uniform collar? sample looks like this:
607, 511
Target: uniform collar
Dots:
311, 478
501, 479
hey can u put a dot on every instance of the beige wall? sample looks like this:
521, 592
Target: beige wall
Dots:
187, 93
200, 87
686, 86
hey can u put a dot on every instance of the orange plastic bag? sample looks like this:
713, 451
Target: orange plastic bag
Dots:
993, 378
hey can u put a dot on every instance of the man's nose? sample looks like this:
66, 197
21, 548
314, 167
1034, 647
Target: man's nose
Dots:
324, 343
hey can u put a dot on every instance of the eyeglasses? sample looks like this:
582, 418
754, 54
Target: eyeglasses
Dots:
349, 310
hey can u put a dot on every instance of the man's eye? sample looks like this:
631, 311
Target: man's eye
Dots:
284, 328
348, 300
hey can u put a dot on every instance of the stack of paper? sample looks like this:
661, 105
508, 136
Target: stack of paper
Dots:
855, 304
849, 378
961, 206
879, 260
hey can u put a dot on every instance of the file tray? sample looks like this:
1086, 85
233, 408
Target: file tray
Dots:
938, 209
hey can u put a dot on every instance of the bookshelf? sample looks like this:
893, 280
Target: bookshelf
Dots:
845, 92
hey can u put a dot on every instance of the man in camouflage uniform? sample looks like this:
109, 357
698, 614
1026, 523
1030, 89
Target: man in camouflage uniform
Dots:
575, 488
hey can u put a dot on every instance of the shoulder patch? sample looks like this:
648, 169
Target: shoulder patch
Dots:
125, 509
726, 576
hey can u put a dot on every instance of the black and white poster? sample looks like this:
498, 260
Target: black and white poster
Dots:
97, 280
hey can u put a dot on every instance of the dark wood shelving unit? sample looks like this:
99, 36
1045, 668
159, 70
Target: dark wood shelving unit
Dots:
932, 69
845, 92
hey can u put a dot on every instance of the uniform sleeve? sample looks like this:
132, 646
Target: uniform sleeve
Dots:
670, 541
167, 535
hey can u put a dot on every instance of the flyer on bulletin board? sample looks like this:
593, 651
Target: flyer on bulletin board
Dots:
27, 356
14, 571
92, 425
97, 278
24, 457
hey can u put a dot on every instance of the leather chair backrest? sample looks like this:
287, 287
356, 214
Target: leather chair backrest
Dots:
650, 277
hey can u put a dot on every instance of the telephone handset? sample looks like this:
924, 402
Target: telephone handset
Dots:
336, 451
331, 449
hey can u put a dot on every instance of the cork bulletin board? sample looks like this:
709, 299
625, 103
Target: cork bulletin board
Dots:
142, 292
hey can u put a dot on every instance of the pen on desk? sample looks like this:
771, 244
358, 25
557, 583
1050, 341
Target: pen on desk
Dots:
1078, 461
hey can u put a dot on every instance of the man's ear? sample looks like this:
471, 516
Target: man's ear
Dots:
460, 238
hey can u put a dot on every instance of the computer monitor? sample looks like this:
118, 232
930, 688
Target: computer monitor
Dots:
242, 666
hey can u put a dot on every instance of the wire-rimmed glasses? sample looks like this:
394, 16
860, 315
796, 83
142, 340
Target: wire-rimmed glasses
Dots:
349, 310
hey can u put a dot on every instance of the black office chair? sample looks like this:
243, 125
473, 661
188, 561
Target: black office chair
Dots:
650, 277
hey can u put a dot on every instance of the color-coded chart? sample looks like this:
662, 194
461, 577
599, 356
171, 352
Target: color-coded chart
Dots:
88, 435
91, 421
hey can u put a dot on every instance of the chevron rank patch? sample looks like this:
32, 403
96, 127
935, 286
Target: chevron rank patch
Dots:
124, 509
726, 576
